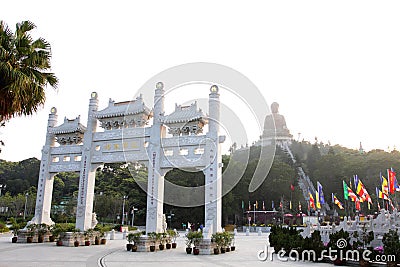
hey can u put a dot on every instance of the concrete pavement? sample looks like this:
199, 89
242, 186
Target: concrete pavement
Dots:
114, 254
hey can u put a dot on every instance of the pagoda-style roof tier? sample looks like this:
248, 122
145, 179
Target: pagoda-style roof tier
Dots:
69, 126
184, 114
125, 108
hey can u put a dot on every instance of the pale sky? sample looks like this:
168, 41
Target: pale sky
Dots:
332, 66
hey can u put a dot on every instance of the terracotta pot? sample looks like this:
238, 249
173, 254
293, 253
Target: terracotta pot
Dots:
29, 239
216, 251
103, 241
161, 247
168, 246
97, 241
52, 238
173, 245
233, 248
14, 239
87, 243
152, 248
223, 250
189, 250
76, 243
40, 239
59, 242
196, 251
228, 249
129, 247
134, 248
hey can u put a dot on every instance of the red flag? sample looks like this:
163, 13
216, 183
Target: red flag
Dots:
392, 177
292, 187
358, 207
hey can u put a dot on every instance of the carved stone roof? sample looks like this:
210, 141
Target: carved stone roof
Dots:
125, 108
69, 126
184, 114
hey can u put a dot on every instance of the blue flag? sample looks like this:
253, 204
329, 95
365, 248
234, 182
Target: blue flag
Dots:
320, 193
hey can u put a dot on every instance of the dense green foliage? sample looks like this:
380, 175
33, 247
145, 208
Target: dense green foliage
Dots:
327, 164
24, 63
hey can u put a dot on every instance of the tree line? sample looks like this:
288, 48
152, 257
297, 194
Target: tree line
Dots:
329, 165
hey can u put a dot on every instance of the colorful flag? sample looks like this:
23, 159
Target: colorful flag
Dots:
321, 194
352, 195
385, 186
355, 177
311, 200
337, 202
358, 206
396, 185
292, 187
362, 192
391, 177
317, 203
345, 191
380, 194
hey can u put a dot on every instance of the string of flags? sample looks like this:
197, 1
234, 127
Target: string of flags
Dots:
360, 194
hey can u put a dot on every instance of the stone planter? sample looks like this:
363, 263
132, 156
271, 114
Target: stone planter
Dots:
188, 250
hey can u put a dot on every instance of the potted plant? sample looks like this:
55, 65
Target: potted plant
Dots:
173, 234
50, 230
161, 240
189, 241
88, 234
103, 230
42, 229
232, 241
217, 238
129, 237
168, 241
198, 236
153, 239
227, 240
15, 229
56, 231
30, 231
76, 233
391, 246
136, 239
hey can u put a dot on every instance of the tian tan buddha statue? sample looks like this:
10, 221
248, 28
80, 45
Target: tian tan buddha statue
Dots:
280, 131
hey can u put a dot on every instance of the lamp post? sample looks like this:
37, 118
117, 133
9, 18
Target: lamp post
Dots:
123, 209
254, 212
26, 200
133, 214
170, 219
2, 186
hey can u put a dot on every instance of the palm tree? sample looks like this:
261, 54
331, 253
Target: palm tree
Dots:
24, 63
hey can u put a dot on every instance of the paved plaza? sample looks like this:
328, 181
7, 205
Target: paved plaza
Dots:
114, 254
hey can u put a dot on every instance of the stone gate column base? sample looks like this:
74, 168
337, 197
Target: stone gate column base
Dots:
206, 247
144, 244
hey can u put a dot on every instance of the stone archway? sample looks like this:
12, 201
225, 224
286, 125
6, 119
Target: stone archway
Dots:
127, 137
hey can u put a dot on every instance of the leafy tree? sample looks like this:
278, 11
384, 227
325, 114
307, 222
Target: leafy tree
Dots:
24, 63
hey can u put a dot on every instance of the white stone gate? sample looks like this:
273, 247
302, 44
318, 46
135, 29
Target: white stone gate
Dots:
128, 138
